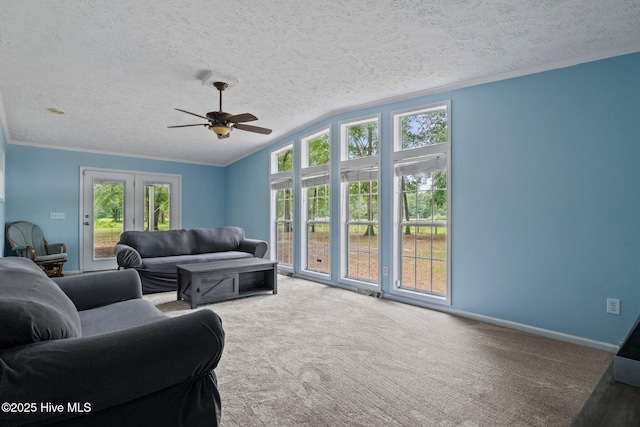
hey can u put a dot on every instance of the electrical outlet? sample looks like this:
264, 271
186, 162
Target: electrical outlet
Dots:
613, 306
385, 271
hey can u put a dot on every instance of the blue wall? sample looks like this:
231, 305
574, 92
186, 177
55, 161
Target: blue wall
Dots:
544, 208
254, 217
545, 175
41, 181
545, 215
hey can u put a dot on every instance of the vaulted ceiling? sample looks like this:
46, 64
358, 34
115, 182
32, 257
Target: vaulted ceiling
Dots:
119, 68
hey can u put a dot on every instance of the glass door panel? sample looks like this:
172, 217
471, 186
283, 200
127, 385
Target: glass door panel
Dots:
157, 206
107, 212
108, 208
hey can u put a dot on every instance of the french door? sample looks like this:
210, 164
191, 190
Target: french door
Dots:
114, 201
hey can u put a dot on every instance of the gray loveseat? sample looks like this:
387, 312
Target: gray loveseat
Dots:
88, 350
155, 254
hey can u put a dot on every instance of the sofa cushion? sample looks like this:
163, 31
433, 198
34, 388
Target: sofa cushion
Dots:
169, 263
159, 243
32, 307
216, 240
120, 315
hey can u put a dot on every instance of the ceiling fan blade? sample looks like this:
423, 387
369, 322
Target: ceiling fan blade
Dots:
249, 128
193, 114
244, 117
184, 126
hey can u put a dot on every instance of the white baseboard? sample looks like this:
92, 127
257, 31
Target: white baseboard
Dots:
599, 345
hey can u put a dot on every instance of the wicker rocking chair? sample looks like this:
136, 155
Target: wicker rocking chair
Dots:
27, 240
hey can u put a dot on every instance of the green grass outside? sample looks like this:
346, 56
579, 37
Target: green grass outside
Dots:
107, 231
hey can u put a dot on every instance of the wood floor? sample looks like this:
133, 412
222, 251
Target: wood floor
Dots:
612, 404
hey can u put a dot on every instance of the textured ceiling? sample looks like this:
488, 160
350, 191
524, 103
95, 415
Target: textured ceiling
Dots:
119, 68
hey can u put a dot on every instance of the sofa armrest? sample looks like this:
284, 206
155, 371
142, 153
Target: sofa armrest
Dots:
95, 290
110, 369
256, 247
126, 256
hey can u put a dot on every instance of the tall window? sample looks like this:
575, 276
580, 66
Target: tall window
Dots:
282, 206
316, 196
359, 176
421, 168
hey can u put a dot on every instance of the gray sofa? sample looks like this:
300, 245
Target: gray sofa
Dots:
155, 254
90, 347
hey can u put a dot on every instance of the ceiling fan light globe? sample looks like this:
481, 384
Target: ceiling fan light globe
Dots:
220, 130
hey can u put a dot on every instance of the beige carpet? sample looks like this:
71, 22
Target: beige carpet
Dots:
315, 355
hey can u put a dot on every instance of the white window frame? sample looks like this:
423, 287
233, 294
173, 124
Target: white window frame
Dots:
320, 173
280, 180
363, 164
344, 143
401, 155
175, 190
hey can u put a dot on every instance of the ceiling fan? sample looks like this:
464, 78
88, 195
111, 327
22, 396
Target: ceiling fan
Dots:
222, 123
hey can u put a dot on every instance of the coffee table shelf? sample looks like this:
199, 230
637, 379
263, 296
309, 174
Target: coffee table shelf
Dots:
208, 282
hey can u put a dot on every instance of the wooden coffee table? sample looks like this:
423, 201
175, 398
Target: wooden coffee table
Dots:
207, 282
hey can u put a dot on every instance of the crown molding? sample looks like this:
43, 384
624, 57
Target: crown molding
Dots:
105, 152
566, 63
377, 103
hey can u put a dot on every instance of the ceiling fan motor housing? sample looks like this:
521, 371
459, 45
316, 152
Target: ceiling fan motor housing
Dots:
218, 116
